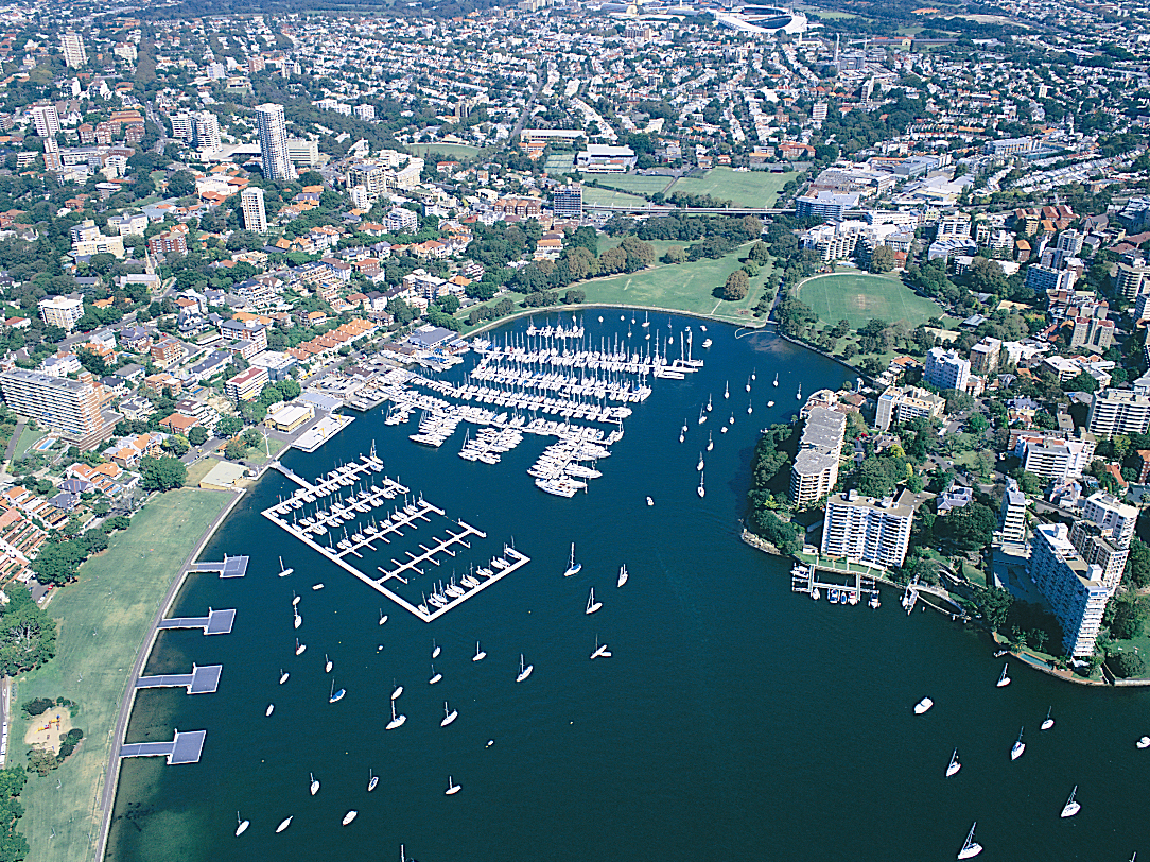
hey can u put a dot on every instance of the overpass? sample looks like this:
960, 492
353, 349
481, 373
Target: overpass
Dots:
663, 210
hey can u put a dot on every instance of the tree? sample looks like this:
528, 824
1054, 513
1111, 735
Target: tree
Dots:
993, 604
737, 285
197, 435
878, 477
1128, 664
162, 474
181, 184
882, 259
27, 634
979, 423
970, 527
177, 444
229, 426
290, 389
235, 450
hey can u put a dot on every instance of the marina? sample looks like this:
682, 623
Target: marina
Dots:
342, 498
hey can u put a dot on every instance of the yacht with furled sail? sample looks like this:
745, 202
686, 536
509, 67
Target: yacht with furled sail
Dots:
479, 654
601, 650
434, 649
524, 672
372, 781
953, 767
449, 715
700, 490
435, 677
1018, 747
452, 787
313, 787
1071, 807
336, 696
710, 442
593, 605
284, 824
573, 568
727, 391
622, 575
1004, 680
242, 825
284, 571
1048, 722
327, 663
970, 848
283, 676
299, 648
396, 720
268, 712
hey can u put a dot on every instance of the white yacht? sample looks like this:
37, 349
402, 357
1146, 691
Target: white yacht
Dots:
707, 342
1004, 680
242, 825
284, 572
479, 654
434, 650
727, 391
396, 691
372, 781
650, 502
382, 617
452, 787
1144, 742
336, 696
271, 708
317, 586
622, 575
770, 403
283, 676
700, 490
953, 767
699, 466
601, 651
350, 816
284, 824
449, 715
524, 672
299, 648
970, 848
799, 394
435, 677
593, 605
1048, 722
1018, 747
923, 705
327, 663
396, 720
314, 786
1071, 807
573, 568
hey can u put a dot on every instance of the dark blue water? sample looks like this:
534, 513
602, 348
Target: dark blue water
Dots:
735, 720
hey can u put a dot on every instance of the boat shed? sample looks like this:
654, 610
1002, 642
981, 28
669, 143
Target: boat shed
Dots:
430, 337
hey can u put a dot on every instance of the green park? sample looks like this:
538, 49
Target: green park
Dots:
860, 297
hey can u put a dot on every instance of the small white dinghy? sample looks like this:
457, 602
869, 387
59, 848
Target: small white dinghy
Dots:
271, 708
923, 705
350, 816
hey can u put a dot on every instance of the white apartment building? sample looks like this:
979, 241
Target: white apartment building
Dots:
1012, 514
905, 403
865, 530
277, 163
946, 369
72, 46
1053, 457
401, 221
206, 132
252, 204
45, 120
303, 151
816, 467
1117, 411
954, 226
1116, 519
1074, 589
61, 311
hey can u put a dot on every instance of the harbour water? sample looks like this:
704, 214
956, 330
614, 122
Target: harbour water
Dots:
734, 720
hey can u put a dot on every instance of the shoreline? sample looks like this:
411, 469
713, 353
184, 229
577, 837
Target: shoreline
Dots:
112, 772
491, 324
760, 544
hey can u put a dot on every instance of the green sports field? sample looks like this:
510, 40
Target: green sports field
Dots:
743, 188
637, 183
681, 286
859, 297
103, 619
603, 197
448, 151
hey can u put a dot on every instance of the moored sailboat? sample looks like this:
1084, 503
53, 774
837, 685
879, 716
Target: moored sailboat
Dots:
284, 824
452, 787
313, 787
372, 781
1004, 680
622, 575
1071, 807
970, 848
449, 715
593, 605
1018, 747
573, 568
479, 654
953, 767
1049, 722
242, 825
524, 672
396, 720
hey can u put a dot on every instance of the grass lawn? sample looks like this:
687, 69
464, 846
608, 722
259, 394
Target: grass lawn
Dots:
681, 286
858, 297
744, 188
639, 183
449, 150
274, 447
103, 619
28, 436
602, 197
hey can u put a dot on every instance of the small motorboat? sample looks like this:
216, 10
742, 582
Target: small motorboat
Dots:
284, 824
350, 816
923, 705
271, 708
650, 502
317, 586
1144, 742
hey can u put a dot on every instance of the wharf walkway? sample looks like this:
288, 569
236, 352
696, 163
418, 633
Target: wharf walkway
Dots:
428, 555
185, 747
215, 623
231, 567
202, 680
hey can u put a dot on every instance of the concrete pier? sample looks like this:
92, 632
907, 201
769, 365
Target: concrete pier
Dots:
231, 567
202, 680
185, 747
215, 623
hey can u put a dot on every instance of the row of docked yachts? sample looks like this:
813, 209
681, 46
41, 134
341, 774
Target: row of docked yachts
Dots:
342, 477
343, 510
443, 595
557, 331
489, 444
559, 470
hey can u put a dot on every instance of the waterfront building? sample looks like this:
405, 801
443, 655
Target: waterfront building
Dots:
252, 204
1096, 547
68, 408
905, 403
1012, 514
1118, 411
816, 467
274, 154
865, 530
1073, 588
946, 369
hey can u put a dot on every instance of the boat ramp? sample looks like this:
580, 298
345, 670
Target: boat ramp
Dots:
217, 622
185, 747
202, 680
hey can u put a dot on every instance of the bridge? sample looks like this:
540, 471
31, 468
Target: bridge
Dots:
665, 210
